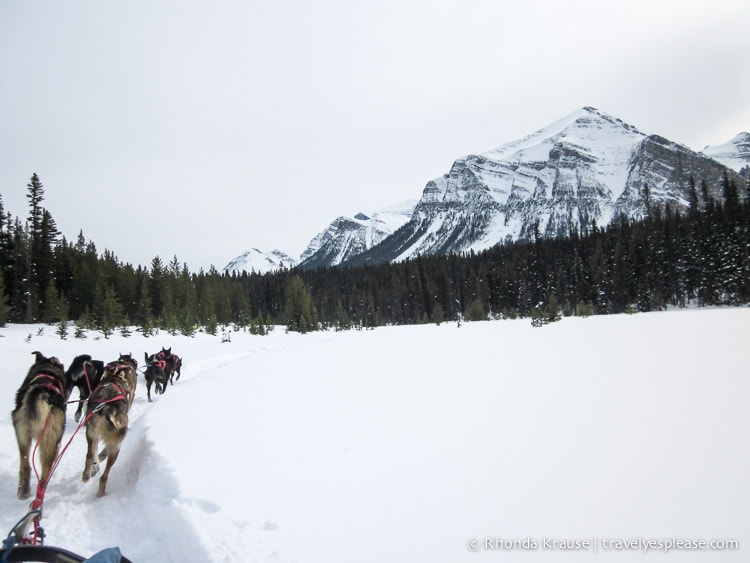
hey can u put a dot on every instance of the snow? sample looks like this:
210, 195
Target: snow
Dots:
734, 154
408, 443
372, 229
260, 262
608, 140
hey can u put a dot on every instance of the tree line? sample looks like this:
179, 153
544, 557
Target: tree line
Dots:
668, 259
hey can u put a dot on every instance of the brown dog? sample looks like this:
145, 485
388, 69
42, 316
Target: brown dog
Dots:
40, 415
107, 417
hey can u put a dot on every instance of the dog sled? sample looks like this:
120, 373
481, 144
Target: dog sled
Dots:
49, 554
17, 547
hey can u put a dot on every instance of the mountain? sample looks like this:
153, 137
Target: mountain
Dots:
260, 262
580, 171
734, 154
347, 237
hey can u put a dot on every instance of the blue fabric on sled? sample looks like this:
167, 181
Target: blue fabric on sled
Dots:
109, 555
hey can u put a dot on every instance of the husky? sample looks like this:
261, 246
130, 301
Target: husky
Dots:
85, 374
173, 361
154, 374
40, 415
108, 407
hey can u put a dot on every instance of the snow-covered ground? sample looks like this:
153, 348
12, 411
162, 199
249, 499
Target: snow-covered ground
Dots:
421, 443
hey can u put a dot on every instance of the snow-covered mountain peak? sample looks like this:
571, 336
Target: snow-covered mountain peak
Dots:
582, 170
260, 262
346, 237
578, 128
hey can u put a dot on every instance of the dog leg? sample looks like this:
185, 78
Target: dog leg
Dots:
77, 415
112, 454
148, 389
24, 476
92, 465
24, 469
50, 444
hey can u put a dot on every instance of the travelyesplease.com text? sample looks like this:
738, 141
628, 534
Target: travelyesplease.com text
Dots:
596, 544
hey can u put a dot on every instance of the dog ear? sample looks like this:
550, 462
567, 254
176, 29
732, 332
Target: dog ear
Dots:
39, 357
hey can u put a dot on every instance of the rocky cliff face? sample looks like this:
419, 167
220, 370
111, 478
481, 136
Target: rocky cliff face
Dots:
734, 154
583, 170
346, 237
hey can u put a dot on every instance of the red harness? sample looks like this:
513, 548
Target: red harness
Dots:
122, 395
50, 382
86, 366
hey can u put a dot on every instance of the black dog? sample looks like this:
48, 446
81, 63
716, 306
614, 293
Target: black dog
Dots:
40, 415
155, 374
85, 374
173, 361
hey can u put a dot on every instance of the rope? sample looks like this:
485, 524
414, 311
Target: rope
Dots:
41, 489
86, 375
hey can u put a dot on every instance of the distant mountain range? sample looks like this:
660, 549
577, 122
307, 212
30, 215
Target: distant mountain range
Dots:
584, 169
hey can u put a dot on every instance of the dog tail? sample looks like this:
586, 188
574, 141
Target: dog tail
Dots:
117, 422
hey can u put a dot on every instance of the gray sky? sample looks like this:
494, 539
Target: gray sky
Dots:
201, 129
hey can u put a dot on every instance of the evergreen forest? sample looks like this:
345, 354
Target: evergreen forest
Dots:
699, 256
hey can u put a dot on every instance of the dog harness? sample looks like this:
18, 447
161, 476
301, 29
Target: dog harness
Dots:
122, 396
49, 381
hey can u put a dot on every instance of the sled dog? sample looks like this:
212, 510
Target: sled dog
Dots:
107, 414
40, 415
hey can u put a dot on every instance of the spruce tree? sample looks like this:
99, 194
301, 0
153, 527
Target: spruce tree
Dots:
692, 197
35, 195
299, 308
4, 308
437, 314
111, 312
475, 311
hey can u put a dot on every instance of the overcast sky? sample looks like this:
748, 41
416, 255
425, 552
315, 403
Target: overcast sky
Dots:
202, 129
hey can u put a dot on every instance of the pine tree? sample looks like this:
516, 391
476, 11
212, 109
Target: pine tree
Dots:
730, 193
4, 308
646, 195
62, 329
35, 196
299, 309
437, 314
692, 197
55, 307
707, 202
553, 309
475, 311
111, 312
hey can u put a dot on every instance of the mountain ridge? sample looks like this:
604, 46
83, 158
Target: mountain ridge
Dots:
583, 169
